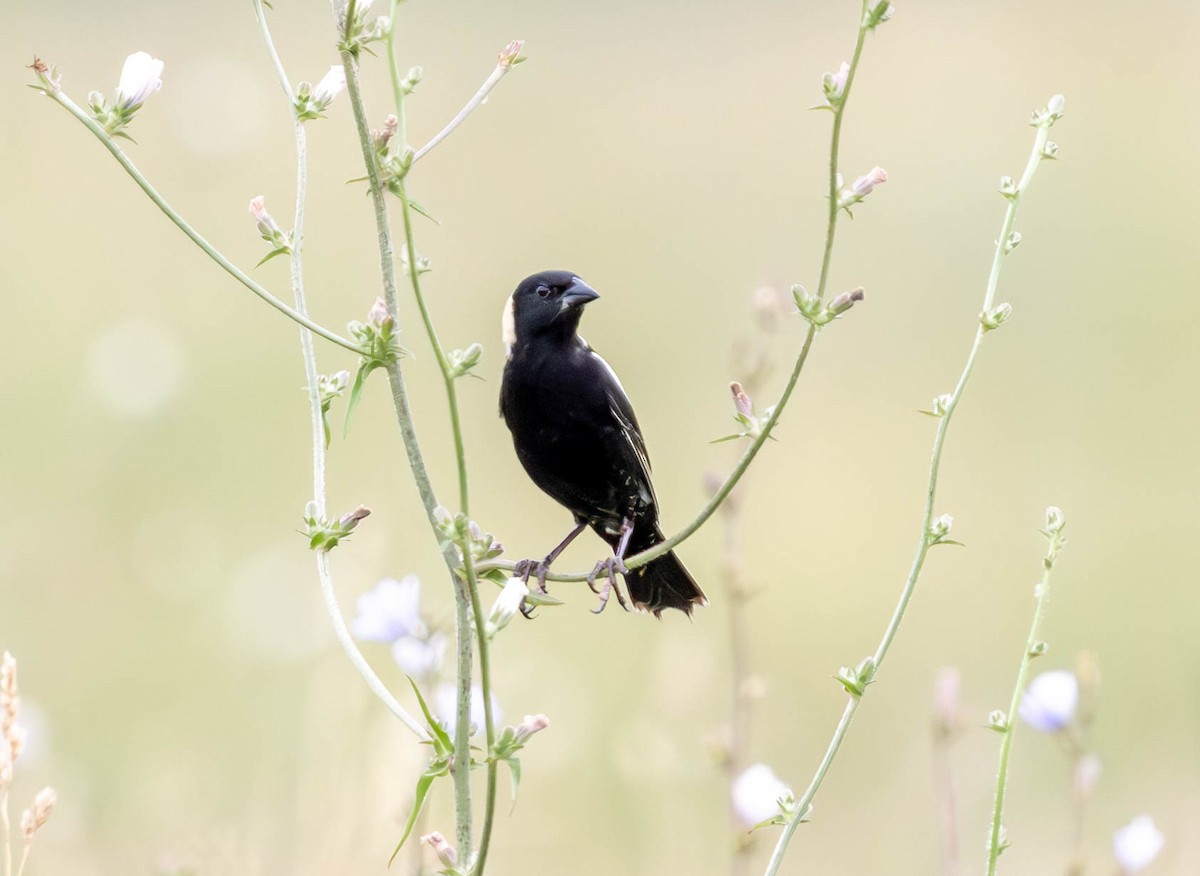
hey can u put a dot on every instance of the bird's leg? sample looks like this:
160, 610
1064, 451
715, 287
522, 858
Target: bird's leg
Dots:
611, 566
541, 568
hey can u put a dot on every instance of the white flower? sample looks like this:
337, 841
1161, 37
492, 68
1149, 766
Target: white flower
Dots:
389, 611
419, 657
331, 85
532, 724
446, 707
864, 185
756, 793
139, 80
507, 604
1049, 701
441, 847
1137, 844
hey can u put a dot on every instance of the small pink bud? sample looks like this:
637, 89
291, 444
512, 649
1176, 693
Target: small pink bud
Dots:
441, 847
864, 185
741, 401
511, 55
532, 724
379, 315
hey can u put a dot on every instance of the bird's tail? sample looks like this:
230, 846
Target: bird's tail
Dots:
662, 582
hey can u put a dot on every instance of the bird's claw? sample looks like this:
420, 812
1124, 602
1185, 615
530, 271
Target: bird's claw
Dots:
611, 566
539, 569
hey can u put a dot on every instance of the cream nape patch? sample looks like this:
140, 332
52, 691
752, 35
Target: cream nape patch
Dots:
508, 328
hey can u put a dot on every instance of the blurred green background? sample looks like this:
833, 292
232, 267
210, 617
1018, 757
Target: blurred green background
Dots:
185, 694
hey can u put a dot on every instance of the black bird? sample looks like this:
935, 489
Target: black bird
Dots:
575, 433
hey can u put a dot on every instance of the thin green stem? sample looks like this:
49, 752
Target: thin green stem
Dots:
485, 682
314, 396
467, 589
461, 765
835, 147
925, 541
1042, 592
474, 103
103, 136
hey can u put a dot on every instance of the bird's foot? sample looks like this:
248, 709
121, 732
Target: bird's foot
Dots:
537, 569
611, 567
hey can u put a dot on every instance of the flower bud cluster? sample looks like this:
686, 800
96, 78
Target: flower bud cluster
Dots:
513, 739
817, 311
878, 14
833, 85
462, 361
330, 387
325, 534
140, 78
939, 530
359, 33
510, 56
377, 336
853, 194
995, 317
855, 680
272, 233
313, 100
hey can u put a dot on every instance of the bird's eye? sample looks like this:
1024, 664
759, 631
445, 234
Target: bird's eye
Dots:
543, 291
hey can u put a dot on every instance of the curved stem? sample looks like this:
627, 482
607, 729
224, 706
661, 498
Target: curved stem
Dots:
467, 591
995, 847
925, 541
474, 103
70, 106
314, 397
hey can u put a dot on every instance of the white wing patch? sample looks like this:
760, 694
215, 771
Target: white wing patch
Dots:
508, 328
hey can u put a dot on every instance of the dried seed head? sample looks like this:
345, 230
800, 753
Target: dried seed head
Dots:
39, 813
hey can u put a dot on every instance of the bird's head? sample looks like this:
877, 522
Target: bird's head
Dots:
548, 304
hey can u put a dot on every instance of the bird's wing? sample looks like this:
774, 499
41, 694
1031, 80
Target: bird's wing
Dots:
622, 412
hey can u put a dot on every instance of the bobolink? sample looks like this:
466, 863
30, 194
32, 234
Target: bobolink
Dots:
575, 433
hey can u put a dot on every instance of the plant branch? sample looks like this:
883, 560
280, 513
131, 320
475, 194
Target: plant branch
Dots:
474, 103
467, 593
314, 397
460, 768
57, 95
926, 541
1054, 536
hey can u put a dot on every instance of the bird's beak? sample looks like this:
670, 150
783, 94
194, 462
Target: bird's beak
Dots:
578, 294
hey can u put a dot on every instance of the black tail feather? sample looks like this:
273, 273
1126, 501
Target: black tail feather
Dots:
664, 583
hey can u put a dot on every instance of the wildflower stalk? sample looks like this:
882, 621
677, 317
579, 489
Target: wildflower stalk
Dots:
58, 96
374, 683
449, 380
925, 542
462, 755
1055, 538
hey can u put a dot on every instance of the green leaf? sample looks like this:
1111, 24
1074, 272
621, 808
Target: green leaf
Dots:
356, 391
423, 785
514, 771
419, 209
535, 598
434, 727
271, 255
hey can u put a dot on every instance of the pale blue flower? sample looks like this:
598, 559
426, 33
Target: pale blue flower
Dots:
1050, 700
389, 611
1137, 844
